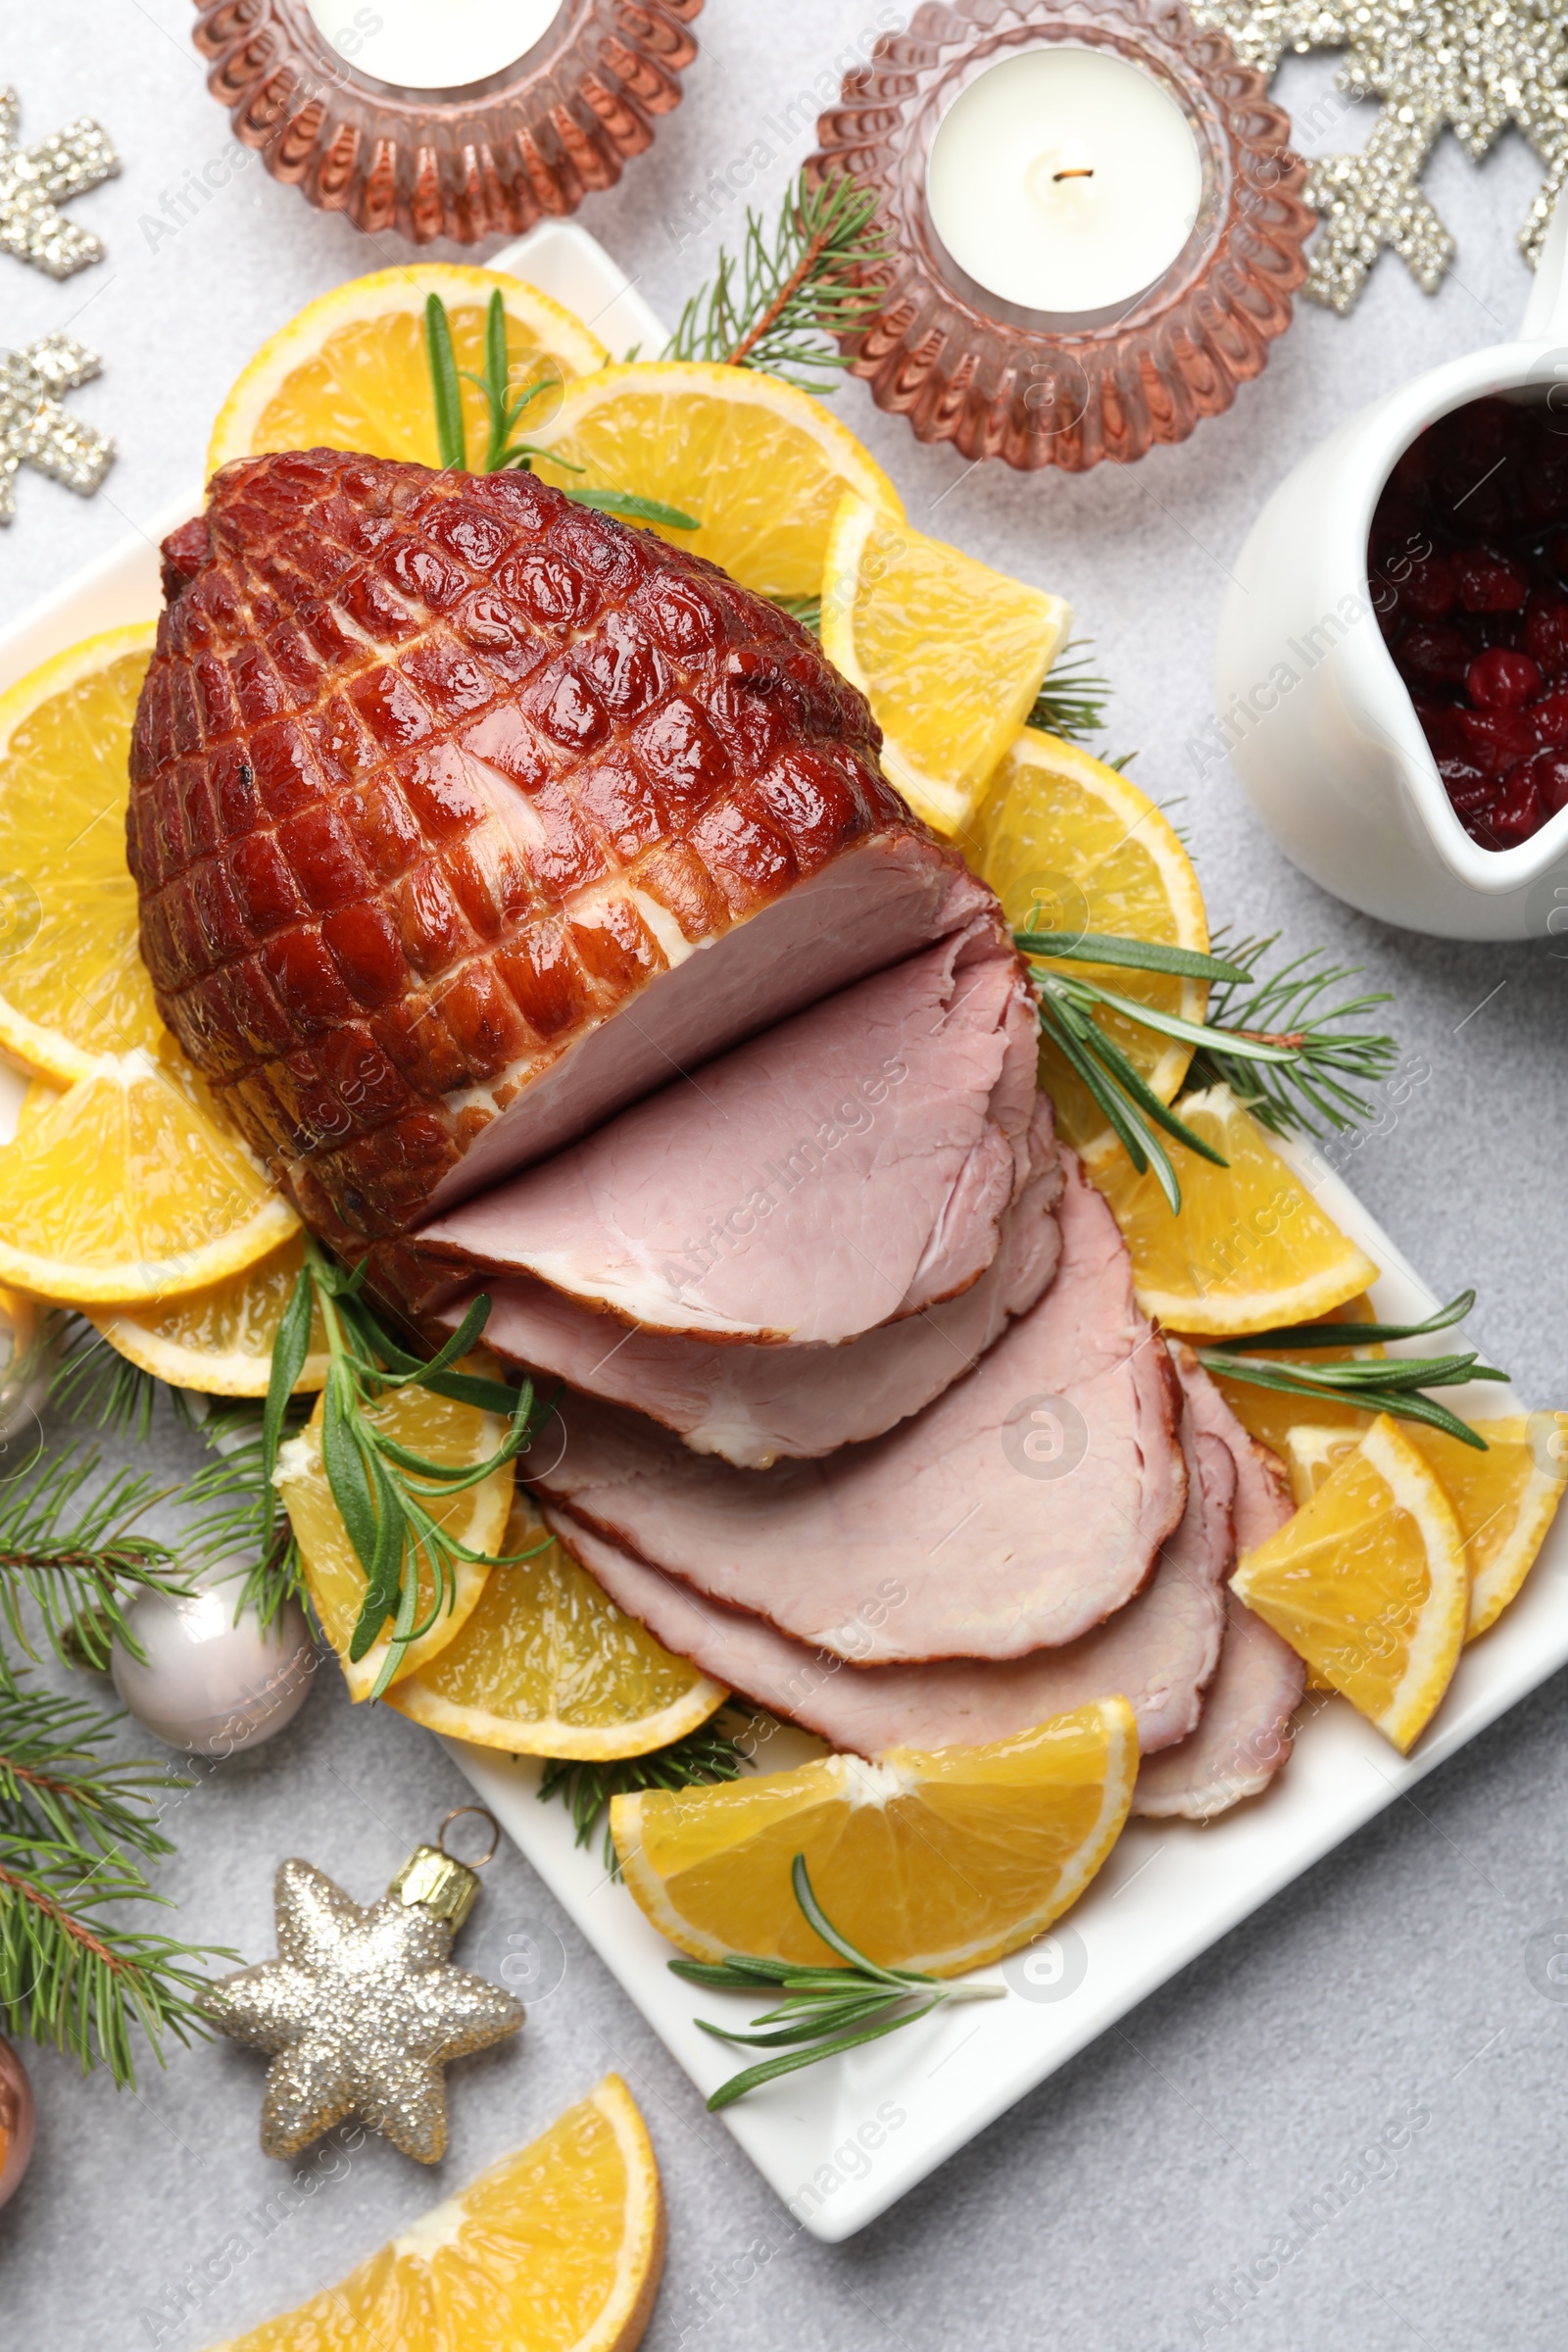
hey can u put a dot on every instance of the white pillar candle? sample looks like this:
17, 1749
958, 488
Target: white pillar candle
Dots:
1065, 179
432, 44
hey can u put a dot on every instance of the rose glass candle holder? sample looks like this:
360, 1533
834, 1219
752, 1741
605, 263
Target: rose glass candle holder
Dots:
1047, 387
486, 158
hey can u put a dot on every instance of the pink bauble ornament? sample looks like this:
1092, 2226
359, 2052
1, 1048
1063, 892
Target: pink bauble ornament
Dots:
17, 2117
207, 1682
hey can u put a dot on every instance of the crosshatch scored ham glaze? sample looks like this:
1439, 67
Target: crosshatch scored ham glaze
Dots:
433, 774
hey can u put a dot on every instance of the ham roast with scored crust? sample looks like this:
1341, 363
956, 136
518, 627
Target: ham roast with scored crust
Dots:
435, 773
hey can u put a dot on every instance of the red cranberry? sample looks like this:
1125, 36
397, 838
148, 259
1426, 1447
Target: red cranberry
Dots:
1489, 582
1414, 469
1499, 680
1466, 787
1440, 724
1434, 655
1516, 812
1494, 739
1558, 555
1548, 777
1549, 718
1396, 526
1546, 634
1431, 588
1390, 618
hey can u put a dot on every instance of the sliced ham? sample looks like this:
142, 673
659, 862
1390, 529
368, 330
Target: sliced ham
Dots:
967, 1531
752, 1404
1262, 1491
851, 1165
1158, 1652
1244, 1736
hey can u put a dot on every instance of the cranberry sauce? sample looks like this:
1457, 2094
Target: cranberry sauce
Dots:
1469, 571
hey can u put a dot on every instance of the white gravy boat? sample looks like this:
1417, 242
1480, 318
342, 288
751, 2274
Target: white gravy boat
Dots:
1314, 715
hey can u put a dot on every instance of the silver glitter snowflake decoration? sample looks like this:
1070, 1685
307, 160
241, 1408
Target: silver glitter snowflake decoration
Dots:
34, 181
1435, 65
37, 430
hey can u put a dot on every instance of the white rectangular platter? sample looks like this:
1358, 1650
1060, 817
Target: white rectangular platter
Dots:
841, 2142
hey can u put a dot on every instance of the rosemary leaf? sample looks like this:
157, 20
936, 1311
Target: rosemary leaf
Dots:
446, 390
827, 2010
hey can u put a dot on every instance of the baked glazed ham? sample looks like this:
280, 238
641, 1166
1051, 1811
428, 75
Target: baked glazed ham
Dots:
434, 773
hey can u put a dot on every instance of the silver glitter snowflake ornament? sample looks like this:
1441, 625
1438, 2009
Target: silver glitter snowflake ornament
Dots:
1468, 66
362, 2011
37, 430
34, 181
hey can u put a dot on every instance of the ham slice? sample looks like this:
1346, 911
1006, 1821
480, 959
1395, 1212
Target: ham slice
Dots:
1016, 1513
752, 1404
851, 1166
1160, 1651
1244, 1736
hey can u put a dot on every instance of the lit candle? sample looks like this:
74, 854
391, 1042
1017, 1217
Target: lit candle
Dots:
1065, 179
432, 44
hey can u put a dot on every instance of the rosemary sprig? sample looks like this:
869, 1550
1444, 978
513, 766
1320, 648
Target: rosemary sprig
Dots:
1072, 701
1375, 1385
697, 1760
793, 289
1260, 1065
503, 412
382, 1488
828, 2009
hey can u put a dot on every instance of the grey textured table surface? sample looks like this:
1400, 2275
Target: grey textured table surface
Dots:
1119, 2206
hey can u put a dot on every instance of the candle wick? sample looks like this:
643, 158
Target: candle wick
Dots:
1082, 172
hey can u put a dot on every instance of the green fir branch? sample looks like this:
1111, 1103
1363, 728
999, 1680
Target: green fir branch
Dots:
75, 1972
1072, 701
239, 1515
95, 1386
1330, 1061
699, 1759
826, 2010
74, 1552
794, 288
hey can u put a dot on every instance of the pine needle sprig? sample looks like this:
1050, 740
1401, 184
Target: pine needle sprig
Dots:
92, 1384
1289, 1007
794, 288
1393, 1384
1072, 701
384, 1491
1294, 1072
503, 411
73, 1972
54, 1787
827, 2009
697, 1760
77, 1556
239, 1514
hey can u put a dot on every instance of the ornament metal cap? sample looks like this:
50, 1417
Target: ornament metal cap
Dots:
447, 1887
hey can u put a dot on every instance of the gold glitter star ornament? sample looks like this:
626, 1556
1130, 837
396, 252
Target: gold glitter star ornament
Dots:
362, 2010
